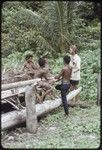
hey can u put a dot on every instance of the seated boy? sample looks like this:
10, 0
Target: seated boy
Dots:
49, 72
29, 67
45, 85
64, 75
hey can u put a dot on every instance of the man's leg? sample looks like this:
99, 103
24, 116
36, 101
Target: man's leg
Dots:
77, 96
64, 101
74, 87
46, 93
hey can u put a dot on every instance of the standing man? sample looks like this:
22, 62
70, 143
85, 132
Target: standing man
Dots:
64, 76
75, 64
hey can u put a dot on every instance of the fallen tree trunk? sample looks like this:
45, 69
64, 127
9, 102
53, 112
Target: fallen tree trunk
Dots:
8, 93
18, 84
16, 117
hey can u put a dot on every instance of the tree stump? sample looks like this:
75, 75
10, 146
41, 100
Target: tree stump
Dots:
31, 117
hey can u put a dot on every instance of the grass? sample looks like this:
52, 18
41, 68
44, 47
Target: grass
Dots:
80, 130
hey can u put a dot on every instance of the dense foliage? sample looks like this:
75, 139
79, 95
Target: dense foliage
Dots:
38, 27
49, 26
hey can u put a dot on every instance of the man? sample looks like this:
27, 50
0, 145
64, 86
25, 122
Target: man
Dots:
65, 75
45, 85
75, 64
47, 66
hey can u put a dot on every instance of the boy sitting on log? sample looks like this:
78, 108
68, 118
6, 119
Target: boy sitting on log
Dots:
64, 75
49, 72
45, 85
29, 68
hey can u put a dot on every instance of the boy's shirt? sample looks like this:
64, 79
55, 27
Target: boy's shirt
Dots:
75, 64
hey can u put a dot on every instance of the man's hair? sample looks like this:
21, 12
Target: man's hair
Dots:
28, 56
66, 59
41, 62
74, 47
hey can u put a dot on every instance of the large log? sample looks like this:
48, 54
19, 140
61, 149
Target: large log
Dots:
18, 84
13, 118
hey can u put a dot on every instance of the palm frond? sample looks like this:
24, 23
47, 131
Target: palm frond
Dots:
43, 43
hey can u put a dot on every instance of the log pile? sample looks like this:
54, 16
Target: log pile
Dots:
10, 93
15, 117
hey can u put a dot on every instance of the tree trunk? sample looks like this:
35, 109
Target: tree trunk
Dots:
19, 84
8, 93
60, 17
16, 117
31, 117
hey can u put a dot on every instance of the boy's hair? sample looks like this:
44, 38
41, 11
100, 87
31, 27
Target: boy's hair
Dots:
28, 56
66, 59
74, 47
41, 62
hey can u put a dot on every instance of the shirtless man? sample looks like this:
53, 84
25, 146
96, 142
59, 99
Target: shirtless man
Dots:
45, 85
64, 75
49, 72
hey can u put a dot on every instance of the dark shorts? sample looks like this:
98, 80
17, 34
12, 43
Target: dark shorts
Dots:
62, 87
74, 82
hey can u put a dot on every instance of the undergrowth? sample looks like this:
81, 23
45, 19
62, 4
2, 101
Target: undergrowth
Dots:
80, 130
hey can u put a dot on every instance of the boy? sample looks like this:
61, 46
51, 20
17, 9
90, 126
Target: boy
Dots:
75, 64
45, 85
65, 75
29, 67
49, 72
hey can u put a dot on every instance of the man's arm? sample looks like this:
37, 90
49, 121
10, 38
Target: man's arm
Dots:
70, 72
73, 64
60, 75
35, 66
45, 74
77, 66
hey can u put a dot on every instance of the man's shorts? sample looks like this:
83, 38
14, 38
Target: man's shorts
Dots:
74, 82
62, 86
